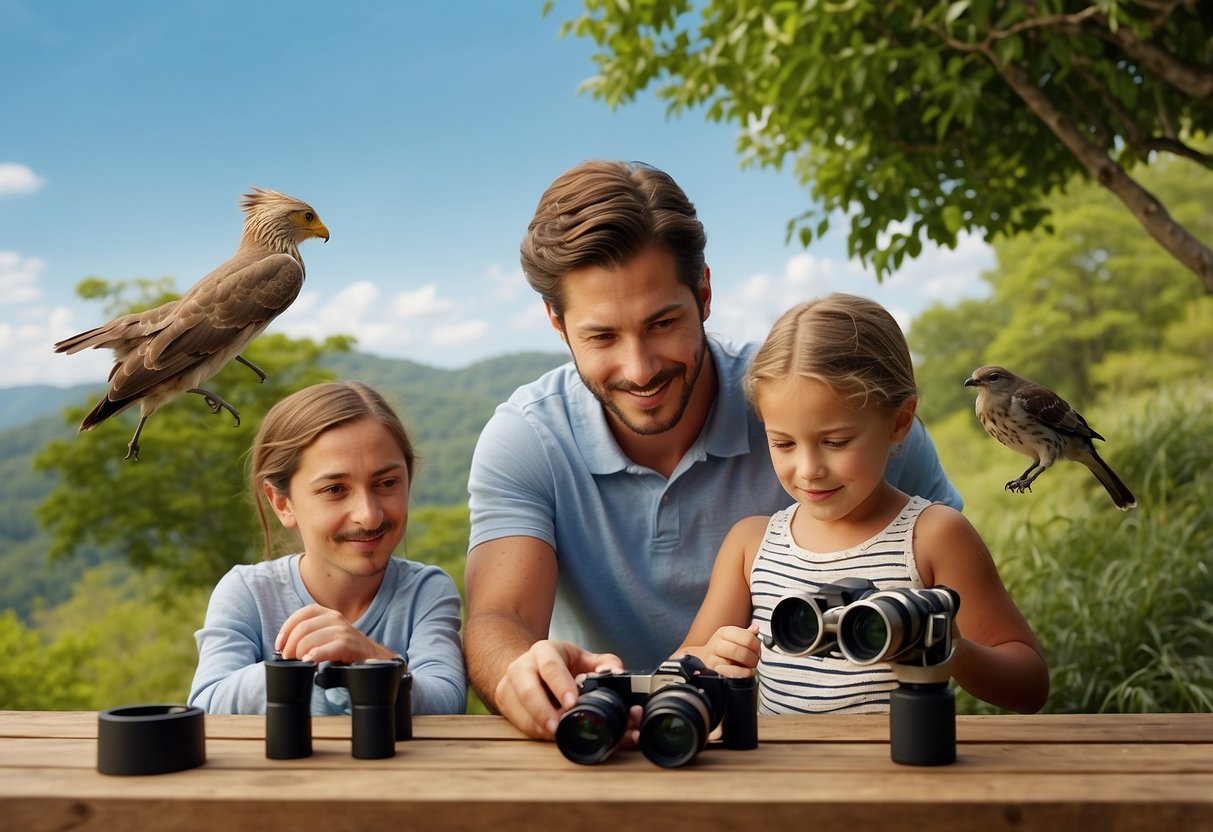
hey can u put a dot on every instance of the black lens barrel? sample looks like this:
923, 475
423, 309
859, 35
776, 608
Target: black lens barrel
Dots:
593, 728
675, 726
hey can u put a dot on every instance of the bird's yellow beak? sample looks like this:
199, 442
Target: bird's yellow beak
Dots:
309, 225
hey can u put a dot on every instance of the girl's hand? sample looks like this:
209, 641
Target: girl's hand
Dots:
731, 651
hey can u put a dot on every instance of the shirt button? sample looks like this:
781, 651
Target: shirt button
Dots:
665, 499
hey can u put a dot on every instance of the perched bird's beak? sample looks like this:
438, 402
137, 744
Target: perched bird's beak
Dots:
321, 230
972, 382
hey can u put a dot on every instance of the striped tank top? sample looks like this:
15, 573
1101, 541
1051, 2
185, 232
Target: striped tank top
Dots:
827, 684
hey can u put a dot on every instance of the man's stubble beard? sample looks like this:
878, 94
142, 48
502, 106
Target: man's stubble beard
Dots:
602, 393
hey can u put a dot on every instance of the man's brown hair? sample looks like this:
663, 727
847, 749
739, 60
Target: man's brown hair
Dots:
604, 213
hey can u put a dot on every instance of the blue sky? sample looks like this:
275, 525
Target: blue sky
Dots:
422, 133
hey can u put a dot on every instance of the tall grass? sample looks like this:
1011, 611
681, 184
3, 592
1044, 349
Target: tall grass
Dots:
1123, 602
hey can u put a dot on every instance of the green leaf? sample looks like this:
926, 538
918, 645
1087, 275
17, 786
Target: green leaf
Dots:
953, 219
955, 10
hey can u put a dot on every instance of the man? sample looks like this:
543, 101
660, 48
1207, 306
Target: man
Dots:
601, 492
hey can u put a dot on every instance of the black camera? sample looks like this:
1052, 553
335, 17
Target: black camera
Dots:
909, 628
380, 700
683, 703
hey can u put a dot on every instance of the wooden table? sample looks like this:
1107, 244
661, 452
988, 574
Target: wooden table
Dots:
1088, 773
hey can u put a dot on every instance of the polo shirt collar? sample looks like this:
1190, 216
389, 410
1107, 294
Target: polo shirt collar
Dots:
728, 428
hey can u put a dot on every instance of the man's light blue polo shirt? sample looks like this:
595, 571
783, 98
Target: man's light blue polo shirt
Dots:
635, 550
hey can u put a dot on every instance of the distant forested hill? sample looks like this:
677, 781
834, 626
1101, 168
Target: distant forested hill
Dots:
443, 409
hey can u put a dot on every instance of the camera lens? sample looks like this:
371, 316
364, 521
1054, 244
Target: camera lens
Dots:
590, 731
864, 634
675, 725
796, 625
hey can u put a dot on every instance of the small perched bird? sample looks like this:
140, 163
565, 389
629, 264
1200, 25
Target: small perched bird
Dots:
1042, 426
164, 352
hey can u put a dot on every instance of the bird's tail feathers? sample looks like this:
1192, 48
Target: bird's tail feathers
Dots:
97, 337
105, 408
121, 334
1117, 490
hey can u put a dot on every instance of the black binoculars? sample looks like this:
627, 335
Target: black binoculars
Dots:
909, 628
380, 699
867, 625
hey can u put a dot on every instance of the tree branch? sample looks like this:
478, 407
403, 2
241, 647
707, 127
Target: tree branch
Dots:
1152, 215
1167, 144
1129, 128
1132, 134
1195, 82
1070, 21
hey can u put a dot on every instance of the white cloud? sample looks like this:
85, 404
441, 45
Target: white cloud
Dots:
384, 337
19, 278
460, 334
958, 272
532, 316
422, 302
746, 310
389, 329
18, 179
351, 303
27, 344
506, 285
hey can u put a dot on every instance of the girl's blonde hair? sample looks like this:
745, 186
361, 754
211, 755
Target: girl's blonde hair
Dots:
851, 343
294, 423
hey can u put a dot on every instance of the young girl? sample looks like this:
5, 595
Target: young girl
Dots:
834, 386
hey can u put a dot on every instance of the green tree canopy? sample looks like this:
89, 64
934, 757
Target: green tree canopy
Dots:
922, 119
1062, 302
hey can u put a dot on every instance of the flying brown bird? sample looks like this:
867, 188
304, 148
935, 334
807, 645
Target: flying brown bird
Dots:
164, 352
1041, 425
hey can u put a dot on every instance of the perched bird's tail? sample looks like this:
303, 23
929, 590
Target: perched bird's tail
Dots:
97, 337
123, 333
1120, 493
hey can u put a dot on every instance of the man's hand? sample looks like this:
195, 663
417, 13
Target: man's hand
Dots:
319, 634
540, 684
731, 651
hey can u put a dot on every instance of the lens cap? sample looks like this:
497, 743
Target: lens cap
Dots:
150, 739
